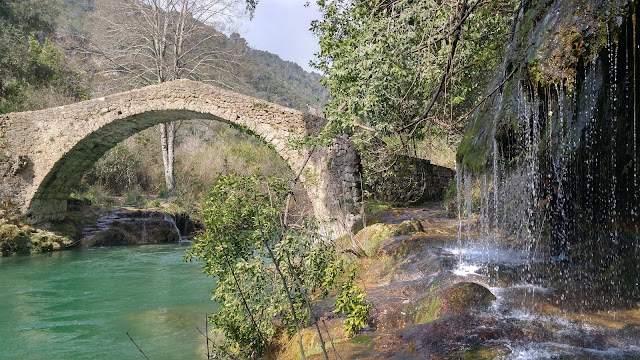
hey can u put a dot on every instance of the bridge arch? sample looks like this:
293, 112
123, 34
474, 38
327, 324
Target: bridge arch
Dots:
44, 154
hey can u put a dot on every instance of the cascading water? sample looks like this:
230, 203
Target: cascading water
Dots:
172, 221
127, 227
554, 230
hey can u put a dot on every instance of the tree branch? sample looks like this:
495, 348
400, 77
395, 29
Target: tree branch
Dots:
465, 12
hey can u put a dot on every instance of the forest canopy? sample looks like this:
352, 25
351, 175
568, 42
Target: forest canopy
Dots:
33, 72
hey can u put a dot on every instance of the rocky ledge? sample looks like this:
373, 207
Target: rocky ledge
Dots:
131, 227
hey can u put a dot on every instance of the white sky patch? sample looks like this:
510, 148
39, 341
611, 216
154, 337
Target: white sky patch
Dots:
282, 27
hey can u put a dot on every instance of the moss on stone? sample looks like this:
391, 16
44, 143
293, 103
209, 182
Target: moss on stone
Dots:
372, 212
21, 239
451, 299
551, 40
371, 238
486, 352
464, 296
428, 310
286, 347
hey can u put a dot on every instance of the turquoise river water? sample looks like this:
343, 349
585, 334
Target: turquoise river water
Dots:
81, 304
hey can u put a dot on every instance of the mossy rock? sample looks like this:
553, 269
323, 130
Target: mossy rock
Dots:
111, 237
23, 239
551, 40
9, 231
429, 310
287, 347
465, 296
371, 238
455, 299
486, 352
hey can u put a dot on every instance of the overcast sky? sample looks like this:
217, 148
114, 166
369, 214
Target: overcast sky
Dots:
282, 27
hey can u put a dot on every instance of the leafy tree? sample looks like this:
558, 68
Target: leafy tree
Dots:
405, 69
117, 171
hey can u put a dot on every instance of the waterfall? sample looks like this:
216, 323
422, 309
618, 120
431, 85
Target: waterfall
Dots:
561, 184
122, 227
181, 238
143, 233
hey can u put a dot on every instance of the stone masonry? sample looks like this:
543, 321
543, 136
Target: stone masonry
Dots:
44, 154
409, 180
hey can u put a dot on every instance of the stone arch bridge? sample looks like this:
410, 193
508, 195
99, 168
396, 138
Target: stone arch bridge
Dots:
44, 154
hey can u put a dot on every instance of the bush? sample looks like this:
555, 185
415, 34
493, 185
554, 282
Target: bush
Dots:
351, 302
117, 171
154, 203
98, 195
265, 270
134, 197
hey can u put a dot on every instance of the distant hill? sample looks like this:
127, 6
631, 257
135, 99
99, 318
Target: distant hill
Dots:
285, 82
253, 72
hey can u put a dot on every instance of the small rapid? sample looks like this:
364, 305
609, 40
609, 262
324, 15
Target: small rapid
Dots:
565, 334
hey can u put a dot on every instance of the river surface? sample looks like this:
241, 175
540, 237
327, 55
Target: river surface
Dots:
81, 304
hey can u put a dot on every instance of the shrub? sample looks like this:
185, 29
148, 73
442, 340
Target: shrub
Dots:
351, 301
116, 171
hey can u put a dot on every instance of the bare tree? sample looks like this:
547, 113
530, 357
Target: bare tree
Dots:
136, 43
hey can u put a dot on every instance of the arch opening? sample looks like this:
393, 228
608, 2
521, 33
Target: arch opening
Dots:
51, 197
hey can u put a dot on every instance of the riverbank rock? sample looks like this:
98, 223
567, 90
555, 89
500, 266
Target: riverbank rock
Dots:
454, 299
22, 239
423, 309
462, 337
371, 238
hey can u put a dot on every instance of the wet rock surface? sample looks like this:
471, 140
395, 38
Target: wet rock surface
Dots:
131, 227
434, 297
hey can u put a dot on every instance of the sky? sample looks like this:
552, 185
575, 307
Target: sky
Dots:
282, 27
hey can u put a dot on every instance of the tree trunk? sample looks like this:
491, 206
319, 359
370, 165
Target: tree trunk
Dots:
167, 140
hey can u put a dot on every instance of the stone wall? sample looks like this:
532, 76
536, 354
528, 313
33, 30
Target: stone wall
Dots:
345, 170
409, 180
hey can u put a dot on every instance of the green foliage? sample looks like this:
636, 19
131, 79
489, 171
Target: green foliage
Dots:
282, 82
163, 193
97, 195
29, 62
351, 301
134, 197
117, 171
384, 62
244, 242
332, 274
154, 203
20, 20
